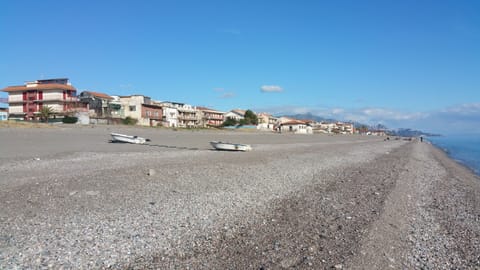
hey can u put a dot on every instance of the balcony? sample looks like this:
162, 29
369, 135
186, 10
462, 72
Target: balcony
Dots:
187, 118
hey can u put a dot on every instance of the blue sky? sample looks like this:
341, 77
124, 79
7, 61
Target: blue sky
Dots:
400, 63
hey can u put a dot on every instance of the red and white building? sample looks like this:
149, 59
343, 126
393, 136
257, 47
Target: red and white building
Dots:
26, 101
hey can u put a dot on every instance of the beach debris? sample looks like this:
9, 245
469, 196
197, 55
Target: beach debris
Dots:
151, 172
72, 193
92, 193
37, 158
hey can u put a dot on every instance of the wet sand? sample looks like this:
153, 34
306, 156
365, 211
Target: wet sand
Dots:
72, 200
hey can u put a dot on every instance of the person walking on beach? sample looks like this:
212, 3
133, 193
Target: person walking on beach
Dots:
421, 138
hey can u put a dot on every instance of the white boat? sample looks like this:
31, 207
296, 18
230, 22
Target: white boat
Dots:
117, 137
230, 146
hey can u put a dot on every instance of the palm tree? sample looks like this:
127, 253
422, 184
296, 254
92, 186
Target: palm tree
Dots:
45, 113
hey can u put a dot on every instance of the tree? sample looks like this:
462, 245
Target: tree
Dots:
230, 122
250, 118
363, 129
45, 113
129, 121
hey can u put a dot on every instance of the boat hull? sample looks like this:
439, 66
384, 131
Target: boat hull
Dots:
230, 146
117, 137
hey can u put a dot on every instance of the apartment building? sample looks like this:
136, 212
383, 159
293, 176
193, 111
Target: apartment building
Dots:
26, 101
210, 117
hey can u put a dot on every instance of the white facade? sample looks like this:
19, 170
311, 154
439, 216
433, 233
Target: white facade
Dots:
337, 127
296, 128
180, 114
266, 122
234, 115
170, 116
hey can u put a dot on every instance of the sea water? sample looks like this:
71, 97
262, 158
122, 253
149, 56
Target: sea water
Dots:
465, 149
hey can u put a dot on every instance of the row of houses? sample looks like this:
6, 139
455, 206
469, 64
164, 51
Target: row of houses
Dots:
25, 102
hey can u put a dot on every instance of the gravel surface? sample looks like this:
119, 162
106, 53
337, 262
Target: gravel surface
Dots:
72, 200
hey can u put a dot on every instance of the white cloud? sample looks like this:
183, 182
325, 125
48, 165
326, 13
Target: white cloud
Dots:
271, 88
469, 108
227, 95
387, 114
223, 93
338, 111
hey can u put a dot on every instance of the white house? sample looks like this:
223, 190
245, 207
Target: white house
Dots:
176, 114
296, 126
236, 114
266, 121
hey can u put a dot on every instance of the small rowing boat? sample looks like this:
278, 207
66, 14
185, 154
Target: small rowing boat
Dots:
117, 137
230, 146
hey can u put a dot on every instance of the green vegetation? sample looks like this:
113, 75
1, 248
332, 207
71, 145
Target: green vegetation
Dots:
45, 113
230, 122
129, 121
69, 120
250, 118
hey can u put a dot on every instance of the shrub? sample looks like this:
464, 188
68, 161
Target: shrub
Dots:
129, 121
70, 120
230, 122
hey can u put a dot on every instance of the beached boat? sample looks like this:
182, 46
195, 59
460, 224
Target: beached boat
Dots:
117, 137
230, 146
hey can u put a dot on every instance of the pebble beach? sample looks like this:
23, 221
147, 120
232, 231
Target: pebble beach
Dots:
70, 199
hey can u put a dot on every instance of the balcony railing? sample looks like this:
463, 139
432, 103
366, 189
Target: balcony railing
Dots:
191, 118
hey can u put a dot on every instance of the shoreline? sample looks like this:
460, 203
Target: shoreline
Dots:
295, 201
460, 162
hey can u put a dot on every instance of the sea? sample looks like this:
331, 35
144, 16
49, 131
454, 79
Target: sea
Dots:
464, 149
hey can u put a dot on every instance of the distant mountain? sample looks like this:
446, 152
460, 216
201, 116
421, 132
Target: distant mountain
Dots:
407, 132
310, 116
403, 132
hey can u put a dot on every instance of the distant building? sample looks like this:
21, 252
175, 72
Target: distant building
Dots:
132, 107
210, 117
266, 121
296, 126
334, 127
178, 114
152, 115
26, 101
236, 114
98, 103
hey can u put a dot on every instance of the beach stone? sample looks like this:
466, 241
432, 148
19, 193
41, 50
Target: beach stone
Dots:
151, 172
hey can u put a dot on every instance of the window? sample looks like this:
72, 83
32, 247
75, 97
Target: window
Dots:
132, 108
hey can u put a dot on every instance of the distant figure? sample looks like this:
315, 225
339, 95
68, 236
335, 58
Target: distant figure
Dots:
421, 138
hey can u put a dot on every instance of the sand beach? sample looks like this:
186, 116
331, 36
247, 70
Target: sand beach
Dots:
70, 199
